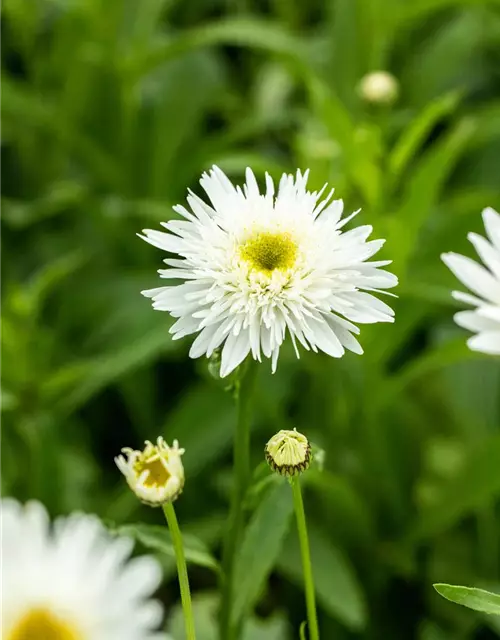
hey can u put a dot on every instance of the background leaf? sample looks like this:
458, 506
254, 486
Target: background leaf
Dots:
336, 585
157, 538
260, 547
477, 599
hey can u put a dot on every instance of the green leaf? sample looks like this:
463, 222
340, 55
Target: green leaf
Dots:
82, 380
417, 132
27, 110
337, 587
356, 143
8, 400
422, 10
302, 630
243, 32
260, 547
205, 608
475, 485
203, 421
424, 188
158, 538
61, 196
431, 361
336, 495
477, 599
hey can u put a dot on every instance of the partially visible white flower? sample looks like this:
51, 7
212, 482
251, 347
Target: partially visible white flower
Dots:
379, 87
155, 475
73, 581
288, 452
255, 267
484, 282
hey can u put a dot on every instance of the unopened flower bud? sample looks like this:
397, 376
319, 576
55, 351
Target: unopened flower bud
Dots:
379, 87
156, 474
288, 453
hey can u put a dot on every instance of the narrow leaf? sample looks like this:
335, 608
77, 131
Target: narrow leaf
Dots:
261, 547
477, 599
477, 483
244, 32
336, 584
158, 538
417, 132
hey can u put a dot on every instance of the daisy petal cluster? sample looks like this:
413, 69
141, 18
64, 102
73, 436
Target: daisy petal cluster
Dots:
156, 474
484, 283
73, 581
255, 267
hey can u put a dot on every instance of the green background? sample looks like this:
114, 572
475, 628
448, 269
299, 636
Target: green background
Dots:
111, 109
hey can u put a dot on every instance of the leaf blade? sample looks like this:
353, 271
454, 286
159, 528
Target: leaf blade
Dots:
261, 546
157, 538
471, 597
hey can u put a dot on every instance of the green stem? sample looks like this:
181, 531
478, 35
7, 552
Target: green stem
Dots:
241, 461
306, 559
175, 532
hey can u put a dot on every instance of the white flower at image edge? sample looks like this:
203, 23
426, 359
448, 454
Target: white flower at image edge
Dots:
254, 267
484, 282
73, 581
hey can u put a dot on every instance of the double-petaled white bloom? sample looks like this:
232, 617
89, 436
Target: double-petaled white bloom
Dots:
255, 267
72, 580
484, 282
156, 474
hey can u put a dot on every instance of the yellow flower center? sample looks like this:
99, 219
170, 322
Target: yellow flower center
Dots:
268, 251
157, 474
41, 624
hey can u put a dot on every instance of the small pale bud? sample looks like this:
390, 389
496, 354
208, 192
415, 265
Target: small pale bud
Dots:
379, 87
288, 453
156, 474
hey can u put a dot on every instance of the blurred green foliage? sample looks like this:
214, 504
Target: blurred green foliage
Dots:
111, 109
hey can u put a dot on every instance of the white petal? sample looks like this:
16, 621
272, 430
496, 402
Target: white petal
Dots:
165, 241
200, 345
491, 221
184, 327
251, 186
472, 321
332, 214
486, 342
367, 309
490, 311
269, 186
325, 338
488, 254
467, 298
235, 350
345, 336
475, 277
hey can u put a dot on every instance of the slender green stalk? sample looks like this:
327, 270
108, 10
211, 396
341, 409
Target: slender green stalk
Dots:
175, 532
241, 459
306, 559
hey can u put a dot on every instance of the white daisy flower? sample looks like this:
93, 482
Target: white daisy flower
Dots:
155, 475
484, 282
73, 581
255, 267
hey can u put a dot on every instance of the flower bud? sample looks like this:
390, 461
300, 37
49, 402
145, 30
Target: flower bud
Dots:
379, 87
156, 474
288, 453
